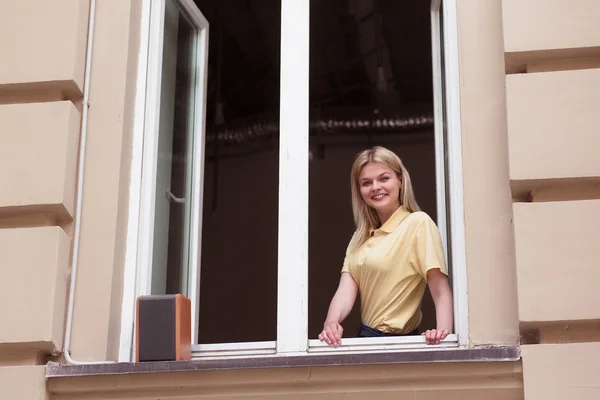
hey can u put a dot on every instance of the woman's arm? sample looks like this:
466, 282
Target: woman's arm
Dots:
442, 298
340, 307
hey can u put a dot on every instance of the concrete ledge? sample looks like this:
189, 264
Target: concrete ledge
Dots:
551, 60
565, 189
560, 332
381, 358
41, 92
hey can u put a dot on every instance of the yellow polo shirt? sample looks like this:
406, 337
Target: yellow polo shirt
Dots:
391, 267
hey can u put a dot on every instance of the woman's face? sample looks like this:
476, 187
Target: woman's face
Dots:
380, 187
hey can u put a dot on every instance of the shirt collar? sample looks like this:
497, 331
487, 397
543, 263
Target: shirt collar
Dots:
393, 221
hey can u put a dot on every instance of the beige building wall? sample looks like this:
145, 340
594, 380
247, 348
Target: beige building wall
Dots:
44, 106
491, 275
43, 46
41, 79
97, 314
552, 89
43, 50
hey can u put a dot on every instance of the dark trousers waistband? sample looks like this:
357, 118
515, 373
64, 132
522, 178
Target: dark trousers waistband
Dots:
367, 331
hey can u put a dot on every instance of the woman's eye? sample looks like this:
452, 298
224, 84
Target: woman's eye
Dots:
384, 179
365, 183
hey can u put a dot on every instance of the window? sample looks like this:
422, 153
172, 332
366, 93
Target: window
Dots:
169, 171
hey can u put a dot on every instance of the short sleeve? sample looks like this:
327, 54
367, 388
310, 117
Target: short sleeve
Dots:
345, 265
429, 250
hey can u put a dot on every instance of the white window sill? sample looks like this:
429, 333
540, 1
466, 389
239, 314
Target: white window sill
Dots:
381, 344
349, 345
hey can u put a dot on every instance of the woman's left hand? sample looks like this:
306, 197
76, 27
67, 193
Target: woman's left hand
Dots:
435, 336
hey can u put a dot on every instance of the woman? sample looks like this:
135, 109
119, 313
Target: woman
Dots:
394, 253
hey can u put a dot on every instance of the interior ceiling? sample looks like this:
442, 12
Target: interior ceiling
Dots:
348, 44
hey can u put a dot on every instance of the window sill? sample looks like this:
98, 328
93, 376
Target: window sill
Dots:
443, 355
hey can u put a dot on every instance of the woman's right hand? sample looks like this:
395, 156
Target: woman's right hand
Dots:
340, 307
332, 333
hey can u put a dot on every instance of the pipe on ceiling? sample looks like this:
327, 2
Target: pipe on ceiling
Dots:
268, 127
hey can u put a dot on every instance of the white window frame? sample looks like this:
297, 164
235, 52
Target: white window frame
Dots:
453, 134
292, 299
140, 231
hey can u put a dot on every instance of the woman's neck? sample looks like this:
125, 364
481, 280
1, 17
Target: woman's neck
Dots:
384, 215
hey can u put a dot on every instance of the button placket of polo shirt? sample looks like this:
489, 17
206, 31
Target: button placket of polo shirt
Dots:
363, 255
369, 244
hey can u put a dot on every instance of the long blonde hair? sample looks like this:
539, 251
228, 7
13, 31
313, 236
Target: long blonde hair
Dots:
365, 217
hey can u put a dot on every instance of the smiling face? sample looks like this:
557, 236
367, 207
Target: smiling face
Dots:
380, 188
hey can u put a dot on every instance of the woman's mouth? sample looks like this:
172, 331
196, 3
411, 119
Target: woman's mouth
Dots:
378, 197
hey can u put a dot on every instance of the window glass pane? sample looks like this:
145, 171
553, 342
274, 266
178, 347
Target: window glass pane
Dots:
174, 179
370, 84
238, 291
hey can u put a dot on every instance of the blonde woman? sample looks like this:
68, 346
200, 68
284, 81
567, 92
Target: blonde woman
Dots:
394, 253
